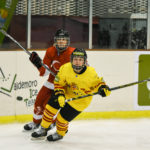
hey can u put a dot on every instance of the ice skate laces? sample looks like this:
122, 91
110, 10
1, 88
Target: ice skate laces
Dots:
31, 126
40, 131
54, 137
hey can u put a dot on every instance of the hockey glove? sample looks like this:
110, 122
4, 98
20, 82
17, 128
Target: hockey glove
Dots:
61, 101
104, 90
35, 59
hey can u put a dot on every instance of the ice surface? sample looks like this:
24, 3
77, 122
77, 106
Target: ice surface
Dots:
106, 134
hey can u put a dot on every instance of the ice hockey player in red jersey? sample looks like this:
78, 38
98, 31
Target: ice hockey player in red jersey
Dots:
55, 56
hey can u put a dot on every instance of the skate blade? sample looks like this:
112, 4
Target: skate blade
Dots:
38, 139
28, 131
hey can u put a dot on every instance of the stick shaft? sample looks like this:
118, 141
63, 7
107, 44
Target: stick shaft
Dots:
111, 89
6, 34
129, 84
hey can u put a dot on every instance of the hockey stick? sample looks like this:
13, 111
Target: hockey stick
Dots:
129, 84
6, 34
111, 89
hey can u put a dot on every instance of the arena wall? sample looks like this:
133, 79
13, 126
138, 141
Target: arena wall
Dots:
20, 83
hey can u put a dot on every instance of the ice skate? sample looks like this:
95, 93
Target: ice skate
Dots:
39, 134
31, 126
54, 137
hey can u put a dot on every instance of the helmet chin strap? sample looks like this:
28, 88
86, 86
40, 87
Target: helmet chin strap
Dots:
77, 68
59, 50
80, 71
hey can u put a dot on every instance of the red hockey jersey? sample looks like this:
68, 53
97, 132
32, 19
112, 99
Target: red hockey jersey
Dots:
53, 61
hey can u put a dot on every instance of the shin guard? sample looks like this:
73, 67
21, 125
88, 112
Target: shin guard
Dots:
61, 125
48, 115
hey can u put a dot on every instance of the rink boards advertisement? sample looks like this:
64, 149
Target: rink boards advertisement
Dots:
7, 8
20, 82
19, 85
143, 72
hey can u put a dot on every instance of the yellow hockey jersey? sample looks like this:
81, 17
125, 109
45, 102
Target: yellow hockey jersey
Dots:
75, 85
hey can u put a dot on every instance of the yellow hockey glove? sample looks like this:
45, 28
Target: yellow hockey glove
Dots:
61, 101
104, 90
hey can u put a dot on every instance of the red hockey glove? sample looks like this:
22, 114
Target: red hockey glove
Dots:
104, 90
35, 59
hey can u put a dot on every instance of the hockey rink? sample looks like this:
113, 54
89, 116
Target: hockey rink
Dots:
106, 134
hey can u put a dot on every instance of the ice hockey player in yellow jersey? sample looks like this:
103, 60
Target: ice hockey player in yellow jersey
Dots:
74, 79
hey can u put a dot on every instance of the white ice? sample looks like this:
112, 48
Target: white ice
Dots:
106, 134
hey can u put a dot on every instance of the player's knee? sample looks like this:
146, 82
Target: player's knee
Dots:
50, 109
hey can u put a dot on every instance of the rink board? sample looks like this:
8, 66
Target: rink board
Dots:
20, 83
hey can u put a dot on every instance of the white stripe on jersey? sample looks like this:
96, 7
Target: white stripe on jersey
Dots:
49, 85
